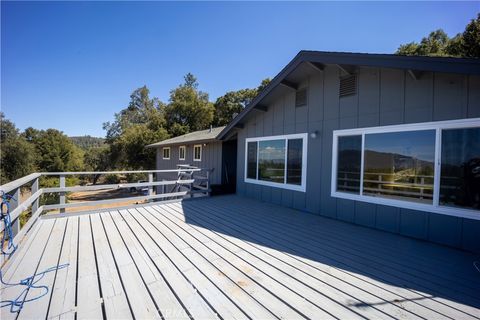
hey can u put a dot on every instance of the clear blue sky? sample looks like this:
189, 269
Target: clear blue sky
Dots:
72, 65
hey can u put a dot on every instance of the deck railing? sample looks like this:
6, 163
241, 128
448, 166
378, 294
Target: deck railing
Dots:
181, 182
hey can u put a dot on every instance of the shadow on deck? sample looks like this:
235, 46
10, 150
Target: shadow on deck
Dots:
232, 257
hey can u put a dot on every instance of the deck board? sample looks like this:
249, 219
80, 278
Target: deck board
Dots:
358, 261
235, 258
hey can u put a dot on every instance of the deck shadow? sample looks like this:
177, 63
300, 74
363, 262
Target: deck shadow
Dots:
428, 270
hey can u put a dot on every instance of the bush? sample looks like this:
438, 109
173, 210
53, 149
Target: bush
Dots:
112, 179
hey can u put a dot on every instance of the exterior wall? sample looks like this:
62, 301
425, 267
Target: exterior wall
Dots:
385, 97
211, 159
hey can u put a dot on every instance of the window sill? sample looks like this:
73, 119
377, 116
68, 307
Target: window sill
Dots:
292, 187
450, 211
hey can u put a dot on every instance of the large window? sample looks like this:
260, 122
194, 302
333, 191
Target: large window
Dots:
427, 166
278, 161
460, 173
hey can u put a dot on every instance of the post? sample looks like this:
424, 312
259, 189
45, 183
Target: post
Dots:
208, 182
62, 194
35, 203
14, 203
150, 187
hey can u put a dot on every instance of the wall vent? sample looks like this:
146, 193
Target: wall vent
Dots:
348, 85
301, 98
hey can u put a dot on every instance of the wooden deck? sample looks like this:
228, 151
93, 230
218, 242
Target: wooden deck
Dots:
230, 257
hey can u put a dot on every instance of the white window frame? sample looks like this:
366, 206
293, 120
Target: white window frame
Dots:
163, 153
435, 207
201, 151
184, 148
303, 186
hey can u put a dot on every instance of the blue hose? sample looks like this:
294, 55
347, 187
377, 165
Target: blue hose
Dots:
30, 283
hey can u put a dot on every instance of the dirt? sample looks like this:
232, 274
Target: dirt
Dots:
121, 194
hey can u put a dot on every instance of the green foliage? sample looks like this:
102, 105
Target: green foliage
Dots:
136, 126
112, 179
466, 44
189, 109
87, 142
233, 102
17, 156
471, 39
97, 159
130, 146
58, 153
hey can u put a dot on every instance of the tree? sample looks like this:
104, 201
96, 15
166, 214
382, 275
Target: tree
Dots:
466, 44
130, 146
188, 109
142, 122
233, 102
140, 110
57, 152
471, 39
17, 156
97, 159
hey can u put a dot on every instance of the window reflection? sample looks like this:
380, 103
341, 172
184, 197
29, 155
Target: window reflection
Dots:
349, 163
294, 161
400, 165
271, 160
460, 169
252, 160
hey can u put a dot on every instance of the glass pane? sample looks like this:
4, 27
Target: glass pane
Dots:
271, 161
460, 171
294, 161
400, 165
349, 163
252, 160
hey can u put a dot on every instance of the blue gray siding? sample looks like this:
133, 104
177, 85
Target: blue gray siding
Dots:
211, 159
385, 97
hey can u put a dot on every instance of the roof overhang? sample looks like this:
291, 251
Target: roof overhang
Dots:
348, 62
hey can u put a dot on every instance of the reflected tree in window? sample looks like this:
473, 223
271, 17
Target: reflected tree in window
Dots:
460, 171
400, 165
271, 160
349, 163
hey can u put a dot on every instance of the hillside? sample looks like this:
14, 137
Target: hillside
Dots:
87, 142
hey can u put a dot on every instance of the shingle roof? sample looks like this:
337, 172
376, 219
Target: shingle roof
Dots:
196, 136
321, 58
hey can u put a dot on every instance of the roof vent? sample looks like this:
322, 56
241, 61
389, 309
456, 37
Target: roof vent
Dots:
348, 85
301, 97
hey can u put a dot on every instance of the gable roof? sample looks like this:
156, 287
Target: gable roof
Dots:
196, 136
347, 60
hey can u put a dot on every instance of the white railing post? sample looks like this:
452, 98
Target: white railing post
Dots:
14, 203
62, 194
35, 203
150, 188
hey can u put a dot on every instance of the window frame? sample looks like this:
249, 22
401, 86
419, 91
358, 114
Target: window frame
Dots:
180, 152
435, 207
163, 153
201, 150
303, 186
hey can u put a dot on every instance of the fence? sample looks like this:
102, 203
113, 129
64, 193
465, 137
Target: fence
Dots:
186, 184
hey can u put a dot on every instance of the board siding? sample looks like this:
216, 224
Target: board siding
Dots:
211, 159
384, 97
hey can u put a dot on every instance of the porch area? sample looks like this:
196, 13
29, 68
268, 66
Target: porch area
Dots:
231, 257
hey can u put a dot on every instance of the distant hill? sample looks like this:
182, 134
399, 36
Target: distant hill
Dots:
87, 142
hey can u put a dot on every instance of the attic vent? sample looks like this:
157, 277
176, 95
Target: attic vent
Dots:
348, 85
301, 98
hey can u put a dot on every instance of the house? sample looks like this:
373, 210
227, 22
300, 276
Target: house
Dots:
384, 141
201, 149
